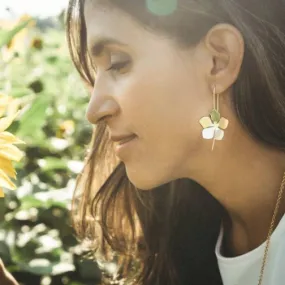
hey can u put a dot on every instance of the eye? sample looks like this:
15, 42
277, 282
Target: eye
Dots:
119, 66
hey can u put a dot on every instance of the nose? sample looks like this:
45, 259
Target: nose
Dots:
98, 110
101, 106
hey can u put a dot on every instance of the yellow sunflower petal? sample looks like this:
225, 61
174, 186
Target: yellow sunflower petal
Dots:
11, 152
2, 111
7, 166
7, 121
8, 105
6, 137
13, 107
5, 181
1, 193
4, 102
3, 95
5, 99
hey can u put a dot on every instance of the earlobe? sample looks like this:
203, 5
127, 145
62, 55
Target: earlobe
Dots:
226, 46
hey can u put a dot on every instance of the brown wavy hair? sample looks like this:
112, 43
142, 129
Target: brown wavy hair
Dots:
167, 236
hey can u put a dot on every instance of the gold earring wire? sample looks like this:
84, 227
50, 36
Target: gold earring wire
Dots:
214, 125
216, 99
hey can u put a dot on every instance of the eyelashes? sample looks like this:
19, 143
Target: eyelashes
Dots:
119, 66
116, 68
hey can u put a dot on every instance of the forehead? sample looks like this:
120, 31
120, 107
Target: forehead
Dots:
110, 22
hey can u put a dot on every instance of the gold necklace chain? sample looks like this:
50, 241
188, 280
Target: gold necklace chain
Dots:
271, 229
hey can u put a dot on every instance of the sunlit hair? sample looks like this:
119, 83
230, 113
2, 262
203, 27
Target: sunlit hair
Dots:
167, 236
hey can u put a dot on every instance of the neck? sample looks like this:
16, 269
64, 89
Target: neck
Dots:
247, 184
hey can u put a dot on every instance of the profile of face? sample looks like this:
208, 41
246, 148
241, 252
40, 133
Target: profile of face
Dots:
149, 86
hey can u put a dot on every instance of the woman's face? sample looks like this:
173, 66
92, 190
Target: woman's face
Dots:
159, 93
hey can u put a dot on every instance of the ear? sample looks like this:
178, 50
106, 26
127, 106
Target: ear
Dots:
226, 47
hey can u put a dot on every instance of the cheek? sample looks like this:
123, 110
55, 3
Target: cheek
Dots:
160, 100
167, 109
164, 111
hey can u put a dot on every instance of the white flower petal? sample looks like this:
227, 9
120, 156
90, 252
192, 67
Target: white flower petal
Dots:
219, 134
208, 133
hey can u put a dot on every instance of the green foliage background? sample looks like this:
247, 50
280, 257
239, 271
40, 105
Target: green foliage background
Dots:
37, 243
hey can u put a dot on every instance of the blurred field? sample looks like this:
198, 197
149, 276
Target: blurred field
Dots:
36, 241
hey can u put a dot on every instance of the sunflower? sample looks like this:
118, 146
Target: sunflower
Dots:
8, 151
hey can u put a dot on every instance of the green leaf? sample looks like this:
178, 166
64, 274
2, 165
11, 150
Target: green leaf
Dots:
215, 116
30, 201
5, 252
88, 269
52, 163
2, 209
7, 36
34, 119
20, 92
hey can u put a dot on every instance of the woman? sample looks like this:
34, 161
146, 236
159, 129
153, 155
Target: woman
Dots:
189, 96
185, 175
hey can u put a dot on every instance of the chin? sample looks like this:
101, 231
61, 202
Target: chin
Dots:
145, 182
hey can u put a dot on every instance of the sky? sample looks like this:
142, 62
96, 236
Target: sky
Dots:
40, 8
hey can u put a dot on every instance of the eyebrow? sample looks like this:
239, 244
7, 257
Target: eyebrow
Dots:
100, 44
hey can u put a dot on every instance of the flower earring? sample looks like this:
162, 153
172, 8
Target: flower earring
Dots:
214, 125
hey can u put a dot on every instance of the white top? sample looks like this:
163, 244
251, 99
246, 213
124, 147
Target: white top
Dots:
245, 269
